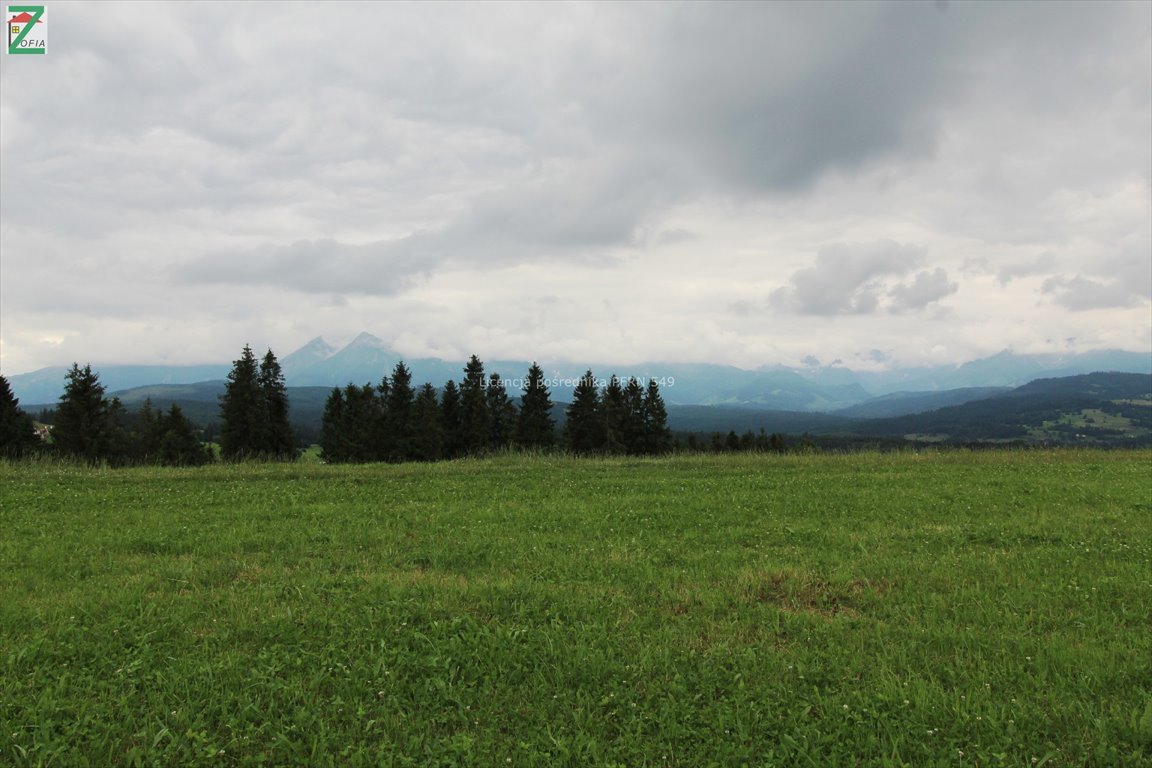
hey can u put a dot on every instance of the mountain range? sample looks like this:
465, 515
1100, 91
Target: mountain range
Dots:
825, 389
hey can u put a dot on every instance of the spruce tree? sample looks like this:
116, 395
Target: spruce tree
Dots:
84, 425
612, 411
17, 430
428, 434
147, 439
333, 448
122, 444
535, 427
502, 413
242, 417
363, 423
399, 406
657, 436
583, 428
450, 420
277, 440
632, 431
178, 445
475, 421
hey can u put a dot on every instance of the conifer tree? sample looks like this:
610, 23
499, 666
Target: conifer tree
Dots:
17, 430
612, 411
657, 436
632, 428
254, 411
242, 406
428, 439
450, 420
276, 438
583, 427
535, 427
400, 438
177, 444
333, 448
502, 413
363, 423
84, 425
475, 421
147, 434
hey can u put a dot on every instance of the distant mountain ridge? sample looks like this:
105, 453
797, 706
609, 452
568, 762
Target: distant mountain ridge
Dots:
1113, 409
1088, 409
829, 389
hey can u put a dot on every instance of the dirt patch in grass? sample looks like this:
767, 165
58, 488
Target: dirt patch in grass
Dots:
798, 592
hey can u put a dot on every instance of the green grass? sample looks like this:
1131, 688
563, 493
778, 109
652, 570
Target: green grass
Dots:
937, 609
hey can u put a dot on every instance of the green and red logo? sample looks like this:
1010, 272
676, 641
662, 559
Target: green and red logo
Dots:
27, 29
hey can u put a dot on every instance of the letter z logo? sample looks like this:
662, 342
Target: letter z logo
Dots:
27, 30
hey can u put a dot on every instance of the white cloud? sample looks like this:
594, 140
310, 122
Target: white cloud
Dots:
848, 278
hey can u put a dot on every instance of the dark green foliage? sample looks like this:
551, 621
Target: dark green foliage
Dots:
176, 442
85, 424
632, 427
332, 441
17, 430
146, 432
475, 421
535, 427
254, 411
399, 420
277, 440
612, 414
623, 419
428, 438
583, 427
241, 410
352, 425
450, 420
502, 413
657, 436
93, 429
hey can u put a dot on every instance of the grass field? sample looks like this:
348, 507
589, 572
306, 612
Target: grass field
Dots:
937, 609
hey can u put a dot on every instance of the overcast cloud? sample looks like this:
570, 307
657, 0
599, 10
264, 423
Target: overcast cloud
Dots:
749, 183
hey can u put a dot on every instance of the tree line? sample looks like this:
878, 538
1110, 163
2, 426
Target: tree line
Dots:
394, 421
88, 426
91, 427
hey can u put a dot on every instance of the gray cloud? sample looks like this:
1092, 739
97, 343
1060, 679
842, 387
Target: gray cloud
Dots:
1040, 265
772, 114
848, 278
1080, 293
322, 266
926, 287
471, 155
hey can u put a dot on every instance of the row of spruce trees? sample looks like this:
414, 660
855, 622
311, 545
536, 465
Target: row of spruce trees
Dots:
394, 421
391, 421
89, 426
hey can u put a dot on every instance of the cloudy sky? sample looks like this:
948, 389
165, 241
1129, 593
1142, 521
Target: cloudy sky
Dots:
876, 183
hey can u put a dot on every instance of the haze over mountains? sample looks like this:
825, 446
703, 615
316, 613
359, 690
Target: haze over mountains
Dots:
367, 359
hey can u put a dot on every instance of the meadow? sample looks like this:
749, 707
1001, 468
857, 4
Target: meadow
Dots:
905, 609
